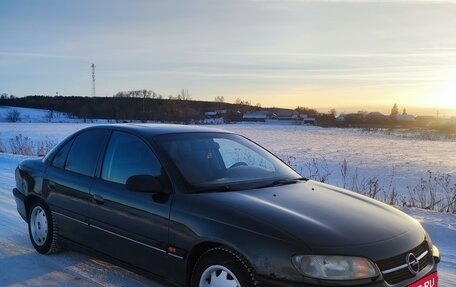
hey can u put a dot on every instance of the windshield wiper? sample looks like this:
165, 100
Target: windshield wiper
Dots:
239, 187
284, 182
221, 188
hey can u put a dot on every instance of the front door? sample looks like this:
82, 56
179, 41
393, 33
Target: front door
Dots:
128, 225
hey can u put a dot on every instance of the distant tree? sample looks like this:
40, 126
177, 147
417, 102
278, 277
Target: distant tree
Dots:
404, 112
242, 102
4, 96
306, 111
219, 99
394, 111
145, 94
333, 112
13, 116
49, 116
121, 94
184, 95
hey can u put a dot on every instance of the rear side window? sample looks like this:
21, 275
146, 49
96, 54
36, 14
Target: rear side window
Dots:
85, 150
128, 155
61, 156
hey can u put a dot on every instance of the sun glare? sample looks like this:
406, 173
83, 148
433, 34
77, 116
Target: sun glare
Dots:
446, 93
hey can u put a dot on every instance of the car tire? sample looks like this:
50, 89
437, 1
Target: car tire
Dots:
43, 230
221, 266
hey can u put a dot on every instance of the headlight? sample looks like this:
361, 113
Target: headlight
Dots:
335, 267
428, 240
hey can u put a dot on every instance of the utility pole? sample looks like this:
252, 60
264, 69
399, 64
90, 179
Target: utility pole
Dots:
93, 80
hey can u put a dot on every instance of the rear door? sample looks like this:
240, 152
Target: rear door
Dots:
68, 181
131, 226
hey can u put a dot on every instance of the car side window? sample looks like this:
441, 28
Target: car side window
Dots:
61, 156
83, 155
128, 155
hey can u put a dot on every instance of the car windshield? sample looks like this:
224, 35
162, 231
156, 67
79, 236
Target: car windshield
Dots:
222, 161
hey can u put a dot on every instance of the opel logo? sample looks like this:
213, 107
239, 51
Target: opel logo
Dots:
413, 263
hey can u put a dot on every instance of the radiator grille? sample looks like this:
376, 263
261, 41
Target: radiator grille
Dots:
401, 274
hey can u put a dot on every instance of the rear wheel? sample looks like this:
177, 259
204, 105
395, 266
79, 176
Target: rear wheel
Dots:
43, 230
222, 267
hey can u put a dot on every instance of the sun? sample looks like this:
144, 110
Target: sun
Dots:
444, 96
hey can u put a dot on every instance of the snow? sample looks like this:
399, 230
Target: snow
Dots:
21, 265
27, 115
397, 160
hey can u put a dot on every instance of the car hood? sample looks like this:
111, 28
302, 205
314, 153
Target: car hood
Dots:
318, 215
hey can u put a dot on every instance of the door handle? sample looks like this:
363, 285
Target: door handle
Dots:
51, 185
98, 199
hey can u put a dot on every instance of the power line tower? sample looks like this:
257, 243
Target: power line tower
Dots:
93, 80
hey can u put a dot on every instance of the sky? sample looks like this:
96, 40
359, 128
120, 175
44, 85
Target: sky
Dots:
346, 55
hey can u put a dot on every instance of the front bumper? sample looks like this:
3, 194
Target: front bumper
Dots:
20, 203
379, 282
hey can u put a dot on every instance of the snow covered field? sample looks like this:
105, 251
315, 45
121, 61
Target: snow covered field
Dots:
396, 161
402, 159
27, 115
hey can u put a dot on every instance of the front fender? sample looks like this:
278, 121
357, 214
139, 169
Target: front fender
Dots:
266, 248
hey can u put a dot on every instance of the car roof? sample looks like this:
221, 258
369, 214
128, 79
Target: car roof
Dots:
158, 129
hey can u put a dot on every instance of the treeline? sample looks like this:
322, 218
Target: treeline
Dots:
146, 105
134, 105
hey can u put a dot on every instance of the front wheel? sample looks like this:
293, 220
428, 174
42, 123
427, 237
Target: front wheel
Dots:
43, 230
222, 267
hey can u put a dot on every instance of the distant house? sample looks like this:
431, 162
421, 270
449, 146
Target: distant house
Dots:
257, 116
375, 117
214, 117
306, 120
278, 117
354, 118
405, 118
341, 117
215, 114
284, 114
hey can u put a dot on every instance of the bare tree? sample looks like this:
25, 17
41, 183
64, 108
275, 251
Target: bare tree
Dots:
13, 116
49, 116
219, 99
242, 102
184, 95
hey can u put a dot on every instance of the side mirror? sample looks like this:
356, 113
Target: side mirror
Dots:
144, 183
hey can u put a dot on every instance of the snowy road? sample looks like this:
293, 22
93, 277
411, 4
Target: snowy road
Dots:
20, 265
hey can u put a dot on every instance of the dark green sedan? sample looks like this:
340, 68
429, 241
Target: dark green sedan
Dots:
203, 207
